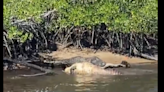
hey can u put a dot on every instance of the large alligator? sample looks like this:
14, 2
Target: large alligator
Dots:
84, 68
94, 60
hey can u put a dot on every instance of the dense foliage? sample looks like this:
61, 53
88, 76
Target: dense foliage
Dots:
118, 15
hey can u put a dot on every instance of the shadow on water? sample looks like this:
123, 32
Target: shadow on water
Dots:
67, 83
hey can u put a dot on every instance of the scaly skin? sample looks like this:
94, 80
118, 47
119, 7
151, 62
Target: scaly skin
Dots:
83, 68
94, 60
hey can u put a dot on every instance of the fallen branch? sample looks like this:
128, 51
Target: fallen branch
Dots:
136, 52
34, 75
46, 71
150, 57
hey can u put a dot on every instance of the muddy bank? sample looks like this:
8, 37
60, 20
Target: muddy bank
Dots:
68, 53
106, 56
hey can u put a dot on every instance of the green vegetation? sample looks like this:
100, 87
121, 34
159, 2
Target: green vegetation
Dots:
118, 15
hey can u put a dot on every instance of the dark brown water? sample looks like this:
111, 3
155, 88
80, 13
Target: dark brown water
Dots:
142, 82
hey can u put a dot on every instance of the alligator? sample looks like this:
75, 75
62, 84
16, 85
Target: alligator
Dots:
84, 68
94, 60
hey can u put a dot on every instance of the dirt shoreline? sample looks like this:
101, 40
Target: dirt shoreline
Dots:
106, 56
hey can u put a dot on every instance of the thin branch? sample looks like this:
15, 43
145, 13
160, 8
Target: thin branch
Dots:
25, 63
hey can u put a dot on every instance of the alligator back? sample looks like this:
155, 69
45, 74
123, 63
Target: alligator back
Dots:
78, 59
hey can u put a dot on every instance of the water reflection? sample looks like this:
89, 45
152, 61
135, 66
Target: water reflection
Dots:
90, 82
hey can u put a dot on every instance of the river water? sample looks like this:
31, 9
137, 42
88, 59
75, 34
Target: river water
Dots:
143, 82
